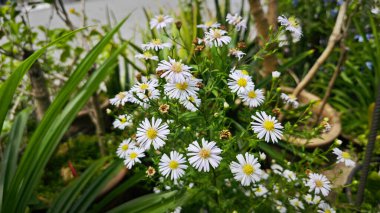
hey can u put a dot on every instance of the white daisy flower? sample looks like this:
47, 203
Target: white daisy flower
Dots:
247, 170
325, 208
289, 175
266, 126
260, 190
239, 82
237, 53
145, 85
160, 21
154, 132
174, 70
290, 99
173, 166
291, 24
240, 72
133, 156
202, 157
216, 37
344, 157
148, 95
326, 127
283, 39
276, 74
296, 203
181, 90
277, 169
317, 199
309, 199
237, 21
253, 98
155, 44
123, 121
192, 103
375, 10
280, 207
138, 100
209, 24
120, 99
147, 56
177, 210
124, 147
319, 183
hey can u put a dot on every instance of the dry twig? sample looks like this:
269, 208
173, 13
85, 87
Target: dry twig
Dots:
335, 36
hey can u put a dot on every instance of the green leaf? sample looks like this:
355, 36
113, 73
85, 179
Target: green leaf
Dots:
96, 187
65, 199
9, 162
55, 123
155, 202
296, 60
8, 88
118, 191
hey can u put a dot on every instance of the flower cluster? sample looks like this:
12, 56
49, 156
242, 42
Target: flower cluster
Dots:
187, 113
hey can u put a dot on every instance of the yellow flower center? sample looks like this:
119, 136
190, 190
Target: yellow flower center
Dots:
121, 95
293, 22
346, 155
204, 153
124, 147
176, 67
259, 190
252, 94
292, 97
133, 155
147, 54
151, 133
217, 34
123, 120
268, 125
209, 23
160, 18
144, 86
327, 211
244, 72
318, 183
248, 169
242, 82
191, 99
173, 164
182, 86
156, 41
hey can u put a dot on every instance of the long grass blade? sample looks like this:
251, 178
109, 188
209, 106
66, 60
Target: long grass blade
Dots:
55, 123
9, 162
65, 199
8, 88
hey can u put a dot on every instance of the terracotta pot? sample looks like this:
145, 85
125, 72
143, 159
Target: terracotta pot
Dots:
329, 112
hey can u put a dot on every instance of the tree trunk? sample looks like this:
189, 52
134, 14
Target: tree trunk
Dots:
40, 92
262, 26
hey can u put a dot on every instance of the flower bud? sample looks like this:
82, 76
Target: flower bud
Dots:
108, 111
262, 155
338, 142
225, 134
241, 45
164, 108
226, 105
150, 171
178, 24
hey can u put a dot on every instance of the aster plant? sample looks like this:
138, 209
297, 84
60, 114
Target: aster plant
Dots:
204, 120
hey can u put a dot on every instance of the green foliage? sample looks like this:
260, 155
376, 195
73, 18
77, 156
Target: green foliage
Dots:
54, 124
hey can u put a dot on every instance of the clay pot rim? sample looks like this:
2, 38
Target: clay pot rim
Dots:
329, 111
